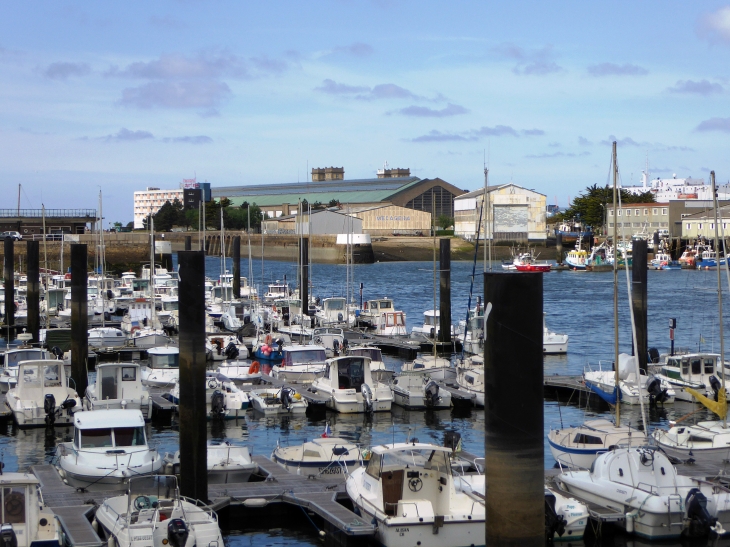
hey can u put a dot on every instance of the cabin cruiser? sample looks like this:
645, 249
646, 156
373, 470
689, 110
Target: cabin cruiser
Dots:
408, 490
697, 371
153, 509
162, 368
118, 385
578, 446
332, 338
438, 368
226, 463
382, 316
10, 360
325, 455
223, 400
553, 343
106, 337
419, 392
274, 400
27, 521
42, 396
658, 502
350, 387
109, 446
275, 291
333, 312
300, 364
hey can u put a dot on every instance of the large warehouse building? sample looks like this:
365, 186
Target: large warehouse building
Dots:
362, 197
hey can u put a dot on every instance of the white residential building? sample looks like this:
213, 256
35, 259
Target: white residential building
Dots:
148, 202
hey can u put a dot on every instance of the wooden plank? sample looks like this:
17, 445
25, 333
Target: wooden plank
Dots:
76, 525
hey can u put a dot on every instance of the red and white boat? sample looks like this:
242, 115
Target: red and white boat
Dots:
525, 262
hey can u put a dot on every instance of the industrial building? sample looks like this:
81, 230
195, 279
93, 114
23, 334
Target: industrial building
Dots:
29, 222
638, 218
514, 214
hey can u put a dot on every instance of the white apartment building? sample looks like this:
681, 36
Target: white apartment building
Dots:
148, 202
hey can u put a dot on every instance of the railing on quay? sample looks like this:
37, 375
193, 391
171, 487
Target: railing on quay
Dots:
49, 213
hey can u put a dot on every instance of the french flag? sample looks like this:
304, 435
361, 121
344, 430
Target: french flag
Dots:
327, 431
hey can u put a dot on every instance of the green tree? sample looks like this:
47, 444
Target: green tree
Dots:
168, 216
317, 205
333, 203
589, 207
444, 222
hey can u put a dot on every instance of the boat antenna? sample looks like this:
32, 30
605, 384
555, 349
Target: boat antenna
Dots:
615, 286
719, 291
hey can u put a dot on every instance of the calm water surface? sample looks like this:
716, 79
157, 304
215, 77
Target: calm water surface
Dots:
577, 303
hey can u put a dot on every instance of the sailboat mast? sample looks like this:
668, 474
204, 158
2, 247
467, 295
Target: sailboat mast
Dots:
101, 261
615, 284
153, 310
719, 288
487, 232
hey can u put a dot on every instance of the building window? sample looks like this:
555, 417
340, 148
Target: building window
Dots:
664, 211
646, 211
637, 224
637, 212
619, 212
699, 226
712, 226
610, 224
610, 213
689, 225
665, 224
628, 212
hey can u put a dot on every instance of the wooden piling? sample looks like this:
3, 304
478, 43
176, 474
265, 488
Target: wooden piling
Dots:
33, 290
79, 317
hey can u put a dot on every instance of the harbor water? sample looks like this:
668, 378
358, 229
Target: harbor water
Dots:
579, 304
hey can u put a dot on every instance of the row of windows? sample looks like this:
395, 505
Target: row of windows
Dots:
639, 224
637, 212
710, 224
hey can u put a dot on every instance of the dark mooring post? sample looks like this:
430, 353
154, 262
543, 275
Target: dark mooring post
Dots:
445, 290
515, 502
9, 277
79, 317
33, 291
193, 423
304, 289
237, 267
188, 243
559, 246
639, 275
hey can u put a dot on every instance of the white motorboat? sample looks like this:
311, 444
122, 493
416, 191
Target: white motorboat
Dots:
223, 400
106, 337
602, 381
275, 291
419, 392
553, 343
42, 396
431, 326
227, 463
658, 502
118, 385
273, 400
578, 446
334, 312
162, 368
10, 359
153, 512
381, 316
698, 371
241, 372
27, 522
408, 490
331, 338
470, 378
324, 456
573, 513
705, 442
350, 388
109, 447
300, 364
438, 368
377, 366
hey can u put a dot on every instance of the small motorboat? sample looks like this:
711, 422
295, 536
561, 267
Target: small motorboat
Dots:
163, 367
227, 463
325, 456
274, 400
27, 521
106, 337
241, 372
109, 447
42, 396
331, 338
221, 347
409, 491
377, 367
438, 368
223, 400
419, 392
553, 343
153, 509
10, 359
300, 364
118, 385
470, 378
350, 388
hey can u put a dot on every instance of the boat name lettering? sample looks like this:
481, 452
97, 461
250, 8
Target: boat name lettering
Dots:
396, 218
334, 470
402, 531
621, 491
142, 538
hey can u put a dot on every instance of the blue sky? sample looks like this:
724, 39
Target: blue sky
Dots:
127, 95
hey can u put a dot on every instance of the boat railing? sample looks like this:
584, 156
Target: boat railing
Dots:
204, 507
601, 366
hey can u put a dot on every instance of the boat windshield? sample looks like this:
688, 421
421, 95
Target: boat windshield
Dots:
107, 437
373, 353
424, 458
305, 356
337, 304
151, 488
12, 358
165, 360
170, 306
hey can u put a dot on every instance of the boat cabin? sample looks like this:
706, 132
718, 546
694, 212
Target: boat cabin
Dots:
692, 367
348, 372
164, 357
21, 508
222, 293
116, 384
371, 352
334, 310
381, 304
109, 431
303, 355
12, 357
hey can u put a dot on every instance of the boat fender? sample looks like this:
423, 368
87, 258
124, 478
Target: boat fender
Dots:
630, 516
267, 340
95, 526
700, 519
112, 542
177, 533
255, 502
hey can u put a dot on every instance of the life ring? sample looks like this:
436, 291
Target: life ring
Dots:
134, 329
268, 339
212, 384
254, 368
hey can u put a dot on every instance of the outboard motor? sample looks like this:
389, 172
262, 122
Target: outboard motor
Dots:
656, 393
653, 355
554, 523
55, 350
367, 394
286, 398
279, 344
340, 317
432, 393
231, 351
217, 403
49, 407
716, 385
336, 346
7, 536
67, 405
177, 533
344, 344
700, 520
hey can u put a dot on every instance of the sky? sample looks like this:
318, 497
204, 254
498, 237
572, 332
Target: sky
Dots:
114, 97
